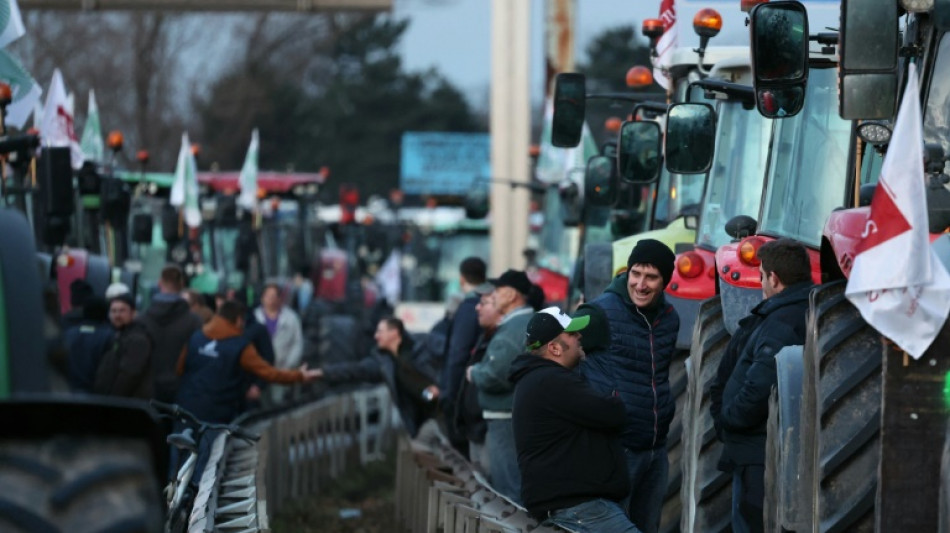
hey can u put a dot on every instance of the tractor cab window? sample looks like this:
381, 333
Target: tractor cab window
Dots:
737, 173
937, 112
808, 170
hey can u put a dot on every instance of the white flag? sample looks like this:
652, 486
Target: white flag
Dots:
897, 282
389, 278
666, 43
26, 92
91, 143
57, 127
184, 193
248, 181
11, 23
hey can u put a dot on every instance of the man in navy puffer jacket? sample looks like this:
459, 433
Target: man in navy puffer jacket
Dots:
630, 343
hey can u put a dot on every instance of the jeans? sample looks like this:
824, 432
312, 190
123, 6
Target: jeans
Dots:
503, 467
595, 516
748, 496
649, 473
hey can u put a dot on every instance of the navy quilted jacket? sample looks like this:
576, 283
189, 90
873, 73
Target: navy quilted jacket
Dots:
634, 362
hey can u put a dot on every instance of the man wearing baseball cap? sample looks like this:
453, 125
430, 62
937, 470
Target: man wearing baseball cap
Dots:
567, 434
490, 377
630, 343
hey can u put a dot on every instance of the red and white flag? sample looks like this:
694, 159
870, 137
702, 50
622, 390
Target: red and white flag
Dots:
897, 282
666, 44
57, 128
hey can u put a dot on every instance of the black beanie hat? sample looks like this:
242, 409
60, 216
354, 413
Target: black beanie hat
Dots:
653, 252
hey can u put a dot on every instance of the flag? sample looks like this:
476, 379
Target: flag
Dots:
666, 43
184, 193
248, 181
897, 282
555, 164
91, 143
11, 23
389, 278
26, 92
57, 127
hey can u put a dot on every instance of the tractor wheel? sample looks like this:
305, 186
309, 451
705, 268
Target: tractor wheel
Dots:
706, 492
783, 446
841, 412
78, 484
672, 504
598, 269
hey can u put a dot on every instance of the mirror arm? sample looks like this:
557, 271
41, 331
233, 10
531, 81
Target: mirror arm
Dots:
701, 52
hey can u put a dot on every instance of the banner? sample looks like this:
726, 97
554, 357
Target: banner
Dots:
57, 127
897, 282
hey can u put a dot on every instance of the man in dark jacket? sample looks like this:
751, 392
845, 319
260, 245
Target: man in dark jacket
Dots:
630, 343
170, 323
86, 342
746, 375
463, 332
567, 435
125, 368
413, 392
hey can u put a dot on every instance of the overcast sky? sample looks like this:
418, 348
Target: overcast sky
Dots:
453, 35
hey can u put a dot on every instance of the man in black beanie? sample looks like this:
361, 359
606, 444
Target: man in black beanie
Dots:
630, 342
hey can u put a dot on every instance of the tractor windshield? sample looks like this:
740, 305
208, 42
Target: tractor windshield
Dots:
937, 112
676, 195
808, 172
737, 173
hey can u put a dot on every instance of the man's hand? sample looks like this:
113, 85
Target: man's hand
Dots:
253, 393
431, 393
310, 375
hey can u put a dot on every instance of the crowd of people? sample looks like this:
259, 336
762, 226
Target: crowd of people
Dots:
568, 415
565, 415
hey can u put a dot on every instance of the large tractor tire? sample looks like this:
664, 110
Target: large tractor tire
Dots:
706, 491
783, 446
78, 485
598, 269
672, 503
841, 412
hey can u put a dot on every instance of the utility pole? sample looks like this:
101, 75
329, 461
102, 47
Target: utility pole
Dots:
510, 132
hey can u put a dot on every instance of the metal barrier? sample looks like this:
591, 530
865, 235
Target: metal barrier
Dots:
438, 490
300, 451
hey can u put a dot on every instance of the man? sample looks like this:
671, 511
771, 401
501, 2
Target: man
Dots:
286, 334
86, 342
567, 435
630, 342
462, 334
490, 377
125, 369
213, 369
746, 375
468, 420
392, 362
170, 323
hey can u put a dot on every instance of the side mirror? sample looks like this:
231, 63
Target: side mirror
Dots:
690, 138
570, 94
638, 156
868, 60
600, 185
779, 57
941, 14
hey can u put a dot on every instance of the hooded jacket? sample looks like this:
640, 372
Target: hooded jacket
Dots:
740, 394
213, 371
124, 369
170, 323
490, 376
629, 351
567, 436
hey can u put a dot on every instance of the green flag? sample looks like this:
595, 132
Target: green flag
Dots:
184, 193
26, 92
248, 181
11, 23
91, 141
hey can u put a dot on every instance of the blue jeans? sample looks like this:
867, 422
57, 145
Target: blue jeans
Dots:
649, 473
503, 467
748, 495
595, 516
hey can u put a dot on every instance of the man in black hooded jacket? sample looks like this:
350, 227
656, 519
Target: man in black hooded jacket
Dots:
573, 471
746, 375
